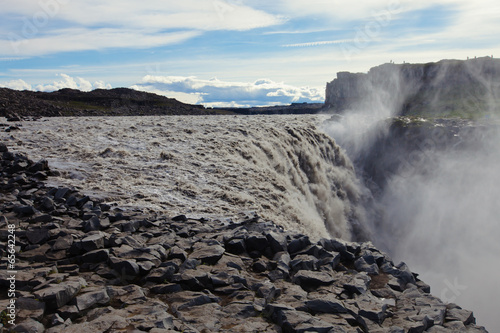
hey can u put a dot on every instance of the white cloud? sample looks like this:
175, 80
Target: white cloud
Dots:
219, 93
52, 26
16, 85
66, 82
320, 43
70, 82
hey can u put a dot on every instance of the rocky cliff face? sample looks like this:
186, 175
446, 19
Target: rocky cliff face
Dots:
468, 88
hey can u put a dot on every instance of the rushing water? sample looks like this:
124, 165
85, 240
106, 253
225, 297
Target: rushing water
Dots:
282, 167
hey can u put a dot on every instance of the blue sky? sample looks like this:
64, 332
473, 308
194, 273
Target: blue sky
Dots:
230, 52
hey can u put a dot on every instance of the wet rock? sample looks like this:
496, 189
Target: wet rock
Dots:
149, 273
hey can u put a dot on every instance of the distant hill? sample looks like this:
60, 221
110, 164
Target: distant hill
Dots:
448, 88
100, 102
294, 108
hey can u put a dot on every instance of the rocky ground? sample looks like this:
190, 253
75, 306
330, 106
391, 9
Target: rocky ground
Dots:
87, 266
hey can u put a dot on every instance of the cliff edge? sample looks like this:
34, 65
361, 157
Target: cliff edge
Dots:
448, 88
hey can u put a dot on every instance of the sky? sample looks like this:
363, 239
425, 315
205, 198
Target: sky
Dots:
231, 52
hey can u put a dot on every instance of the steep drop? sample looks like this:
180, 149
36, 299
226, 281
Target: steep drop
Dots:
283, 167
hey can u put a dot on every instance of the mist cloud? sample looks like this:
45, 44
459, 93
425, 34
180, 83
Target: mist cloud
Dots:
439, 211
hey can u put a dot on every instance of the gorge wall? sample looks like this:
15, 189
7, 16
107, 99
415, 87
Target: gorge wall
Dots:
468, 88
424, 139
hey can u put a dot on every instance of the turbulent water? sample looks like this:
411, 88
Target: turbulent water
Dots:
282, 167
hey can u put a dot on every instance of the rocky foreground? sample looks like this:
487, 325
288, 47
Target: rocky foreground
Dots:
88, 266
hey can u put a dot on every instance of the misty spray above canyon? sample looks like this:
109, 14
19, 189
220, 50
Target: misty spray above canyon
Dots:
425, 140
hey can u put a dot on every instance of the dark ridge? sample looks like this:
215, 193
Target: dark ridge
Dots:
294, 108
99, 102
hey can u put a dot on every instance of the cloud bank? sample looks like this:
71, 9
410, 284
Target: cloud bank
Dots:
217, 93
192, 90
65, 82
33, 28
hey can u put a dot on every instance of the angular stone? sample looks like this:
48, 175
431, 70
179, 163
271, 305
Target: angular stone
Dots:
304, 262
92, 224
312, 280
358, 284
166, 288
187, 299
277, 242
326, 305
61, 193
96, 256
256, 243
63, 243
28, 307
125, 268
38, 235
160, 274
376, 313
209, 255
177, 253
41, 218
240, 310
193, 279
29, 326
363, 266
89, 299
457, 314
268, 291
48, 204
401, 272
298, 244
58, 295
93, 242
236, 246
25, 210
